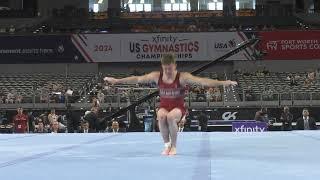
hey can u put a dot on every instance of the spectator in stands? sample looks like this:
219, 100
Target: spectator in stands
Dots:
286, 119
3, 118
85, 127
181, 124
100, 96
20, 122
12, 29
44, 95
127, 8
216, 94
55, 128
292, 79
31, 120
265, 71
262, 115
92, 117
307, 83
95, 102
209, 94
192, 28
10, 97
115, 127
18, 98
40, 127
52, 116
309, 79
203, 121
2, 96
267, 94
306, 122
248, 93
109, 109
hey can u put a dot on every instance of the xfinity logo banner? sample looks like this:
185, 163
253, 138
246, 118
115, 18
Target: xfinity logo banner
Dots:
229, 116
249, 127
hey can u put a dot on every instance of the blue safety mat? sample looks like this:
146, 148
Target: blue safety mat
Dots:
136, 156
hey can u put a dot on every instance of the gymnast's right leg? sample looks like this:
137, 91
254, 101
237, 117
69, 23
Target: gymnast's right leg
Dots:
164, 129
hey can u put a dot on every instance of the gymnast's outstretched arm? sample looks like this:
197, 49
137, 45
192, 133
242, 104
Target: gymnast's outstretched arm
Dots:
189, 79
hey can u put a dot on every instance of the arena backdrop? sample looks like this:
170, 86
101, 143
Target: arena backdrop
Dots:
38, 49
274, 45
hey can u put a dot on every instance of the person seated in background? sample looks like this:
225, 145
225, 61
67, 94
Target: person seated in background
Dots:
40, 128
306, 122
115, 126
92, 117
286, 119
55, 128
85, 127
262, 115
203, 121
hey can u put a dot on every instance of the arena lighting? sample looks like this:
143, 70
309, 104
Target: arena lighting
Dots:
172, 1
95, 8
100, 1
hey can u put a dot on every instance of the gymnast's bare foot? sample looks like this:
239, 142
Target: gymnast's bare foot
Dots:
167, 148
173, 151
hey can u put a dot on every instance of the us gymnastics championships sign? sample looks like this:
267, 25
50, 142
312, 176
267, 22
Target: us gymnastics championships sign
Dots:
151, 46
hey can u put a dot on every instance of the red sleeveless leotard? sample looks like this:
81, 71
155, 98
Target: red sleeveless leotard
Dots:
171, 95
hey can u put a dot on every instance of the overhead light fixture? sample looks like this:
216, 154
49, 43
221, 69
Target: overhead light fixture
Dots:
95, 8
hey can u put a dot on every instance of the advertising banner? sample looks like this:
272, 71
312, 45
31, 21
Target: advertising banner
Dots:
290, 45
249, 126
38, 49
151, 46
142, 47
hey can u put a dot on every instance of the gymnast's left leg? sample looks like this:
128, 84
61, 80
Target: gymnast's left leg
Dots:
173, 117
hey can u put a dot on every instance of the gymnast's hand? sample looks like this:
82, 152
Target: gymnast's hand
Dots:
111, 80
230, 83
